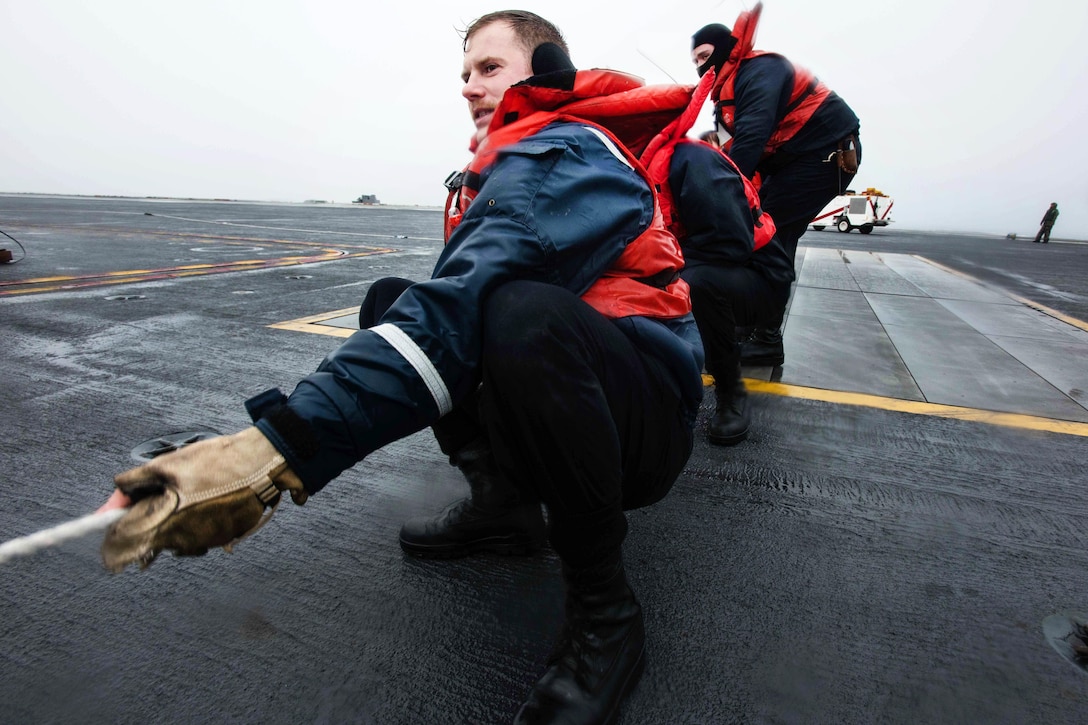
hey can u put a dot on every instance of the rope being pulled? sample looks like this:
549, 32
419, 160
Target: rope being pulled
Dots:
33, 543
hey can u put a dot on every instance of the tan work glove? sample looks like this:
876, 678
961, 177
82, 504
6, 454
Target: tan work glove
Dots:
211, 493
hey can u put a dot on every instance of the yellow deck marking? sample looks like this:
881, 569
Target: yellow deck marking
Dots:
135, 276
1010, 420
308, 324
310, 252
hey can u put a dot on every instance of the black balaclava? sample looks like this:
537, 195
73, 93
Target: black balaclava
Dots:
723, 41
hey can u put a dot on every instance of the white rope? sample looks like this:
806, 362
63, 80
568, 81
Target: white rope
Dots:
33, 543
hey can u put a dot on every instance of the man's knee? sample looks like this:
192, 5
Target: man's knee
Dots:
536, 335
522, 315
715, 288
379, 298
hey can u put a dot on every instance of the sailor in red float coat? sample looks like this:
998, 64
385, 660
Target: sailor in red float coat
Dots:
785, 132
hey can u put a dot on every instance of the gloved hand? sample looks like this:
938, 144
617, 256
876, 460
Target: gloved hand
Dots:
208, 494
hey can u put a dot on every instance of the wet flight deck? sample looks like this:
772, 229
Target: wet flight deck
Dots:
903, 537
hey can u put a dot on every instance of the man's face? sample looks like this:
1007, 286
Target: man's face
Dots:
494, 61
701, 53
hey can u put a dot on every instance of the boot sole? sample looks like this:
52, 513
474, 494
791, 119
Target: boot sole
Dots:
727, 440
499, 546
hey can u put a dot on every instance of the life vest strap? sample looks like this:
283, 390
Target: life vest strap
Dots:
454, 181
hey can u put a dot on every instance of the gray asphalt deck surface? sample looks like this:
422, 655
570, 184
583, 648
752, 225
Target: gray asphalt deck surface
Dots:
910, 507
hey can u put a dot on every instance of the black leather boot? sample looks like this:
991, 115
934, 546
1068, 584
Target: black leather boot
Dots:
729, 424
494, 517
599, 657
763, 347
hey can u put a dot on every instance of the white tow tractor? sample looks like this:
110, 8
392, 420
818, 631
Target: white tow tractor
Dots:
871, 208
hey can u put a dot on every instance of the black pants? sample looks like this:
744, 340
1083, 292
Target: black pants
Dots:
795, 192
724, 298
575, 413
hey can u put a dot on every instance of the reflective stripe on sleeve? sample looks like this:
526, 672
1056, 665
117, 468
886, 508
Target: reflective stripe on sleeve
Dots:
609, 145
407, 347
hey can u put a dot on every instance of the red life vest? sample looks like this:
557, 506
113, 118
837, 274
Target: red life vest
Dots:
805, 97
658, 156
645, 279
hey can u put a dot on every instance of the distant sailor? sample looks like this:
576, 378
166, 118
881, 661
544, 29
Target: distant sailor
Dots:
1047, 223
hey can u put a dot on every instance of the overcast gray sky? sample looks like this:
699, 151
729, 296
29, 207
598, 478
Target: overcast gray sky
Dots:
972, 114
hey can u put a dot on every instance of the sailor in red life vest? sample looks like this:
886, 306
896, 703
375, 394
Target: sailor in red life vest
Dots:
785, 130
736, 266
555, 328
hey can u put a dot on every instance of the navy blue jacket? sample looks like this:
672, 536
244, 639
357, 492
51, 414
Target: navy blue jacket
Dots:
709, 197
558, 207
